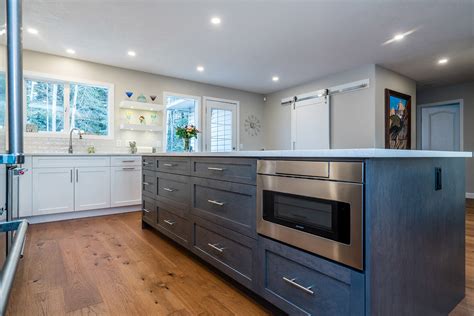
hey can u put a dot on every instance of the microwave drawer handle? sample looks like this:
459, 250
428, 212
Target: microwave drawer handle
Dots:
216, 202
299, 286
214, 246
169, 190
215, 169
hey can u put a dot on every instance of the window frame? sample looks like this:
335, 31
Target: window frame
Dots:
67, 81
199, 118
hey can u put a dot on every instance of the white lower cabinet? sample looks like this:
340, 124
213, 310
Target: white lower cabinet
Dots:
53, 190
91, 188
126, 186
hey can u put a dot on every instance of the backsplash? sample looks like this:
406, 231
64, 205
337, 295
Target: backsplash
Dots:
60, 145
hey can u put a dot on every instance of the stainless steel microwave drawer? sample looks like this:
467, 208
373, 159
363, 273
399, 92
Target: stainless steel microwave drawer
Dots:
303, 284
176, 227
175, 165
232, 205
173, 188
229, 251
241, 170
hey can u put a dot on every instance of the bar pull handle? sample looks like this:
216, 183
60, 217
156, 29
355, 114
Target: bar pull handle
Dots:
168, 165
216, 202
169, 222
70, 171
128, 168
145, 163
146, 211
77, 175
299, 286
128, 160
169, 190
214, 246
215, 169
146, 183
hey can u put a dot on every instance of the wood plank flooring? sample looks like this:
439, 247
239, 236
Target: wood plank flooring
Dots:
110, 266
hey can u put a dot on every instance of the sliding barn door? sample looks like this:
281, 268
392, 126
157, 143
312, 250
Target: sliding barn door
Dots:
310, 127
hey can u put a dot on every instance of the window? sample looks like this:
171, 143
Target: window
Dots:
221, 124
53, 107
181, 110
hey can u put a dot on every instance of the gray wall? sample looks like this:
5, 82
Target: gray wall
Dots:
140, 82
465, 92
352, 113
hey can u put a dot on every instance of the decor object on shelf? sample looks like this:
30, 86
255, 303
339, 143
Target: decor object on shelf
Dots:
252, 125
128, 116
397, 120
154, 118
129, 94
91, 149
141, 118
186, 133
31, 128
153, 98
141, 98
133, 147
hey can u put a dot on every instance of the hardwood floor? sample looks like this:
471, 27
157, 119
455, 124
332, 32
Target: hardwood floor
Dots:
110, 266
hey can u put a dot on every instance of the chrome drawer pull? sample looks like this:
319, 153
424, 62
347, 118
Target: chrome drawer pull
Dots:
169, 222
299, 286
128, 168
146, 183
146, 163
146, 211
214, 246
215, 169
215, 202
128, 160
169, 190
168, 165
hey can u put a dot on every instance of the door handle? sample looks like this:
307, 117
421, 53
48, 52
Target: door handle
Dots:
299, 286
169, 190
71, 174
215, 169
128, 168
168, 165
169, 222
146, 183
146, 211
128, 160
214, 246
145, 163
77, 175
216, 202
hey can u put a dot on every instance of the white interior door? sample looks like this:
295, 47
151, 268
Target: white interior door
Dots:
221, 125
441, 127
310, 127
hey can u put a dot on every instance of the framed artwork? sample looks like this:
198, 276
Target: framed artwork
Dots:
397, 120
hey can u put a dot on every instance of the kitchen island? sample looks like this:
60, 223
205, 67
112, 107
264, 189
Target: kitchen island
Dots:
384, 235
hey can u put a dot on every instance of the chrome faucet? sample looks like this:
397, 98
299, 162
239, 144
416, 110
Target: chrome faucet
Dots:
70, 138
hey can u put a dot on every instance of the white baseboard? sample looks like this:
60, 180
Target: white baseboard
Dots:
81, 214
469, 195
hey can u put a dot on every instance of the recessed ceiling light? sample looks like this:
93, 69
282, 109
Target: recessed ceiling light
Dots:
131, 53
275, 78
443, 61
200, 68
32, 31
70, 51
399, 37
216, 20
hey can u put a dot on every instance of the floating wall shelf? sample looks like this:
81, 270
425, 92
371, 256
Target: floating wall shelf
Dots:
141, 127
135, 105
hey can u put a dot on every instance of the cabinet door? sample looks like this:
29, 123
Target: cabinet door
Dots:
92, 188
53, 190
126, 186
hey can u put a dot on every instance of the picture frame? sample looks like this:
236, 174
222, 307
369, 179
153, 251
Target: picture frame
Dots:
397, 120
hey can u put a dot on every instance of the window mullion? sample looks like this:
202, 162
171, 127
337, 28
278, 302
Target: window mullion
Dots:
67, 91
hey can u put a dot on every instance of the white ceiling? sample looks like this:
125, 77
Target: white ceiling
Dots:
296, 40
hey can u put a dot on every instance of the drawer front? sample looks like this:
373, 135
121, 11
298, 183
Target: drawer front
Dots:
149, 213
229, 251
174, 226
173, 165
149, 183
125, 161
231, 205
301, 283
70, 161
173, 189
149, 163
227, 169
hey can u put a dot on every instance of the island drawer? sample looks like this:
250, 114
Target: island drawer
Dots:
173, 165
149, 163
149, 183
227, 250
172, 225
304, 284
173, 189
231, 205
149, 211
240, 170
125, 161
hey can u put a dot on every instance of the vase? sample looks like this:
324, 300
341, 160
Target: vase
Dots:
187, 147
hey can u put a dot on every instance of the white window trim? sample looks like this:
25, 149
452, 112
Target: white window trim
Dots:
204, 122
199, 117
68, 80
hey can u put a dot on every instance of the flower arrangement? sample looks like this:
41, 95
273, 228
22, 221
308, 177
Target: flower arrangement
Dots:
186, 133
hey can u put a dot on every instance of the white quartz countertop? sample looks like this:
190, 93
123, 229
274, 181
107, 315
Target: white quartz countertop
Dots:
329, 153
82, 154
